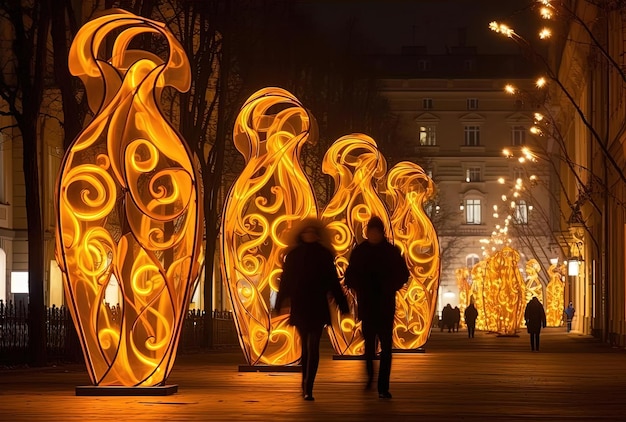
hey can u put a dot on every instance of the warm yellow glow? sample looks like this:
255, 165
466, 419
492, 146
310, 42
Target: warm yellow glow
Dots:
507, 153
510, 89
555, 291
357, 167
540, 83
538, 117
408, 188
501, 180
501, 29
462, 275
545, 33
271, 194
128, 205
545, 13
534, 288
498, 290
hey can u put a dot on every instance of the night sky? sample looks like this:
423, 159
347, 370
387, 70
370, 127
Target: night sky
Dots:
386, 26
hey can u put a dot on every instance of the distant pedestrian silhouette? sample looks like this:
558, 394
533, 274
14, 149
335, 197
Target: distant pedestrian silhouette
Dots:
447, 317
535, 317
457, 319
376, 271
309, 277
569, 316
471, 314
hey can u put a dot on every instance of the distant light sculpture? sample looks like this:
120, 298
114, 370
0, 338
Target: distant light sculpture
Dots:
534, 287
505, 295
408, 188
128, 206
555, 295
465, 289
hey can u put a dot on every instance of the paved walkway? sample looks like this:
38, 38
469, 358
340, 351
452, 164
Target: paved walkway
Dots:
572, 378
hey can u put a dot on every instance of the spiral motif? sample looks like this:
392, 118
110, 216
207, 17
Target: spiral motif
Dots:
128, 205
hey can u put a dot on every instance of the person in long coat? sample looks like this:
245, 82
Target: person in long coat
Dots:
535, 317
309, 277
471, 314
376, 271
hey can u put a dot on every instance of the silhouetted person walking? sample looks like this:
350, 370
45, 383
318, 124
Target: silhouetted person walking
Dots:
569, 316
309, 276
535, 317
457, 319
471, 314
376, 271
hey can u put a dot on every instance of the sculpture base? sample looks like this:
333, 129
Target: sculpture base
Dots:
418, 350
352, 357
119, 390
270, 368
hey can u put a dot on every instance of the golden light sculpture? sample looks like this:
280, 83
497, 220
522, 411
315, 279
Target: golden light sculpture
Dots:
465, 289
555, 294
534, 287
357, 168
408, 188
478, 273
270, 195
128, 205
505, 293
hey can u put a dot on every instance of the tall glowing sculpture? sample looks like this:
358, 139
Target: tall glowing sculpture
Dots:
534, 288
555, 294
128, 206
270, 195
479, 270
465, 289
357, 167
505, 295
408, 188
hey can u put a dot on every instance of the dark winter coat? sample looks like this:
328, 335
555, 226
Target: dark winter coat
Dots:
308, 277
376, 272
535, 316
471, 313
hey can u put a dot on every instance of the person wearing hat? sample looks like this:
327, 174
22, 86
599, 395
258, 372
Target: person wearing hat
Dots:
376, 271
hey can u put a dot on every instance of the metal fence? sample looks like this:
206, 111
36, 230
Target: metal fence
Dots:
62, 341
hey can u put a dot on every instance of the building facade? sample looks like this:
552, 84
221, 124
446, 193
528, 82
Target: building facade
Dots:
456, 120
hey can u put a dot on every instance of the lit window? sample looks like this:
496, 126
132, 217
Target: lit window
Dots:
427, 135
521, 212
471, 260
427, 103
518, 135
472, 135
473, 174
472, 103
472, 211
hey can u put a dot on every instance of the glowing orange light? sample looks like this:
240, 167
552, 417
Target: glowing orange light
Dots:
498, 290
510, 89
465, 289
555, 293
545, 13
270, 195
408, 188
501, 29
545, 33
128, 206
357, 167
540, 83
534, 288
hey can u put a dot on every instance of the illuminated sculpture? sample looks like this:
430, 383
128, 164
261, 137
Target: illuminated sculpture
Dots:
356, 166
270, 195
408, 188
128, 206
505, 292
555, 293
486, 317
465, 289
273, 193
534, 288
